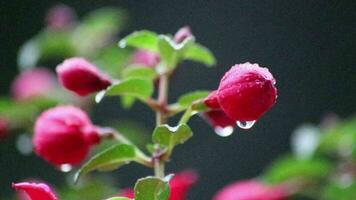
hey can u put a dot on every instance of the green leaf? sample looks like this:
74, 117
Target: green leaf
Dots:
97, 28
340, 192
151, 188
140, 88
127, 101
112, 60
169, 137
291, 168
47, 45
199, 53
139, 72
187, 99
110, 158
167, 51
119, 198
141, 39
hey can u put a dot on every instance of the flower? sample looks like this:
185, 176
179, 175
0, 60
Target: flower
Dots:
60, 16
218, 119
246, 92
32, 83
3, 128
81, 77
212, 100
182, 34
64, 135
36, 191
181, 183
146, 58
250, 190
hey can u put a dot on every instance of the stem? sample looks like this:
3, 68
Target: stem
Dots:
186, 116
161, 118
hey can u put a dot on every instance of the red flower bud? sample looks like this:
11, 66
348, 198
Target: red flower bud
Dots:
246, 92
3, 128
218, 118
32, 83
250, 190
36, 191
60, 17
212, 100
146, 58
182, 34
64, 135
181, 183
81, 77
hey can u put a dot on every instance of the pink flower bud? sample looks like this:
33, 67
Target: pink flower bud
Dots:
81, 77
127, 192
181, 183
246, 92
146, 58
60, 17
212, 100
36, 191
3, 128
64, 135
32, 83
250, 190
217, 118
182, 34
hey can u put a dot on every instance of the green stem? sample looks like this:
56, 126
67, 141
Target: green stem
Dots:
161, 118
186, 116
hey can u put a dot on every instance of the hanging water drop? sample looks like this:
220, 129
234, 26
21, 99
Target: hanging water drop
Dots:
245, 124
224, 131
65, 168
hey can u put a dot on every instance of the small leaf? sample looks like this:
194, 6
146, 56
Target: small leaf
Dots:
139, 72
187, 99
291, 168
171, 136
199, 53
141, 39
167, 51
140, 88
116, 155
127, 101
151, 188
97, 28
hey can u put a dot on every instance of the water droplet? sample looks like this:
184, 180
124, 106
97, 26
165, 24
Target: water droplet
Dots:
224, 131
24, 144
122, 44
245, 124
65, 168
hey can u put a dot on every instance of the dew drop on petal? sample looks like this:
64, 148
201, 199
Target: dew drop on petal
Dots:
65, 168
224, 131
245, 124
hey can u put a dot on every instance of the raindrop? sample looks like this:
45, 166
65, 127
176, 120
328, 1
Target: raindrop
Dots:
224, 131
245, 124
24, 144
65, 168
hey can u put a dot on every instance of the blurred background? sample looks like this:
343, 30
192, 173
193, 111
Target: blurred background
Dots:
309, 46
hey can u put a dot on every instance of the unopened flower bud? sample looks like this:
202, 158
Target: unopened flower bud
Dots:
81, 77
246, 92
36, 191
64, 135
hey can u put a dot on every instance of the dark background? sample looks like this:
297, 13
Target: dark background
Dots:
308, 45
